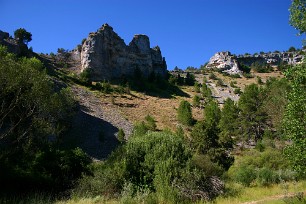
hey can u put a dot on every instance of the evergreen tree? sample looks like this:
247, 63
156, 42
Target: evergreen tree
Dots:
184, 113
212, 113
252, 116
228, 123
22, 36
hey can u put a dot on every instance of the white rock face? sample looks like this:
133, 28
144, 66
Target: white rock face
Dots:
108, 57
224, 61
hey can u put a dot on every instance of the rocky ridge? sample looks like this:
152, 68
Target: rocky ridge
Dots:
107, 56
224, 61
10, 43
229, 63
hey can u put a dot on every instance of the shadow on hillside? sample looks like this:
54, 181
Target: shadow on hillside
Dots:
170, 92
93, 135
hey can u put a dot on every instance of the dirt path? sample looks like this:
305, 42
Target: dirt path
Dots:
95, 125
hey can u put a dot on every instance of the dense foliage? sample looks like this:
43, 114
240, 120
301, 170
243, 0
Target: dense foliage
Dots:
22, 36
158, 163
184, 113
298, 15
32, 114
295, 118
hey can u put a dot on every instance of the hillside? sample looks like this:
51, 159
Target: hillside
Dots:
108, 123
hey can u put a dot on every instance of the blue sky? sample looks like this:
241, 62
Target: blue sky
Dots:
189, 32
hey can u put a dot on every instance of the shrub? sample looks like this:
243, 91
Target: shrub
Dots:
248, 75
184, 113
266, 176
260, 146
197, 87
245, 175
190, 79
259, 81
237, 91
233, 84
219, 82
155, 165
196, 101
235, 75
85, 76
121, 135
140, 128
150, 123
212, 76
104, 87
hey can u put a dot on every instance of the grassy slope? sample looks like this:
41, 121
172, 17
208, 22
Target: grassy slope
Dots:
136, 106
242, 82
271, 194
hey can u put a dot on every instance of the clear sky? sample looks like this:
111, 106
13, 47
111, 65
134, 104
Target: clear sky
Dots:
188, 32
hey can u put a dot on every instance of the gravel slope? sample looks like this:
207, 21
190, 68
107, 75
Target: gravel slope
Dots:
95, 126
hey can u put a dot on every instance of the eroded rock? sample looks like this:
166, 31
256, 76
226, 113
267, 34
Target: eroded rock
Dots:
108, 57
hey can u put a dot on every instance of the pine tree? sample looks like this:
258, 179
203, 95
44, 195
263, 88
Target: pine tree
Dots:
184, 113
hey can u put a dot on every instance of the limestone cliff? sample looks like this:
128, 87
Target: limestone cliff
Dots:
108, 57
224, 61
229, 63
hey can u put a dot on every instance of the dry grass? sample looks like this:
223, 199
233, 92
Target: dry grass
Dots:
136, 106
271, 194
242, 82
96, 200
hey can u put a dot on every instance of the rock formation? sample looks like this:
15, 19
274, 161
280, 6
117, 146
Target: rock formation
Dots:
10, 43
108, 57
224, 61
229, 63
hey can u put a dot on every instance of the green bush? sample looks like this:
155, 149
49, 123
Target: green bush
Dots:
140, 129
85, 76
237, 91
197, 87
196, 101
267, 167
121, 136
248, 75
245, 175
150, 122
266, 176
212, 76
219, 82
259, 80
184, 113
235, 75
156, 167
104, 87
233, 84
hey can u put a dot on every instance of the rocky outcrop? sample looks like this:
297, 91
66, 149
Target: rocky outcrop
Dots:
10, 43
225, 62
229, 63
108, 57
273, 58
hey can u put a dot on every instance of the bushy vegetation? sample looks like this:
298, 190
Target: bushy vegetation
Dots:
261, 168
156, 165
189, 80
184, 113
261, 67
33, 114
151, 166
